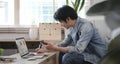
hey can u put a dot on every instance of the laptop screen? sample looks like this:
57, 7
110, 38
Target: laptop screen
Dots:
21, 45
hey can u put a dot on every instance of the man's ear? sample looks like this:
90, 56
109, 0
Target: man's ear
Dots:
67, 19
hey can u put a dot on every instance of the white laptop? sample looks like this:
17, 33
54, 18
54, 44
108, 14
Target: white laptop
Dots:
23, 49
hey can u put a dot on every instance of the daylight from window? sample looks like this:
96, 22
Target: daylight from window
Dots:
39, 11
6, 12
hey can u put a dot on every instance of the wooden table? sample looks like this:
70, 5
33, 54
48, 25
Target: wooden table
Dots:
10, 47
51, 58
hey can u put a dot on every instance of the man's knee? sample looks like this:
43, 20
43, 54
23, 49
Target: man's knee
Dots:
70, 58
67, 58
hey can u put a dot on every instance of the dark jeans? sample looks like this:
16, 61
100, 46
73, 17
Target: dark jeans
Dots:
71, 58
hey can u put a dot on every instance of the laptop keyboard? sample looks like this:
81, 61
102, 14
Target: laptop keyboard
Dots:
29, 55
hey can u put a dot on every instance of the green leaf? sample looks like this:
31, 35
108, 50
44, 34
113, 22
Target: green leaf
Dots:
1, 51
77, 5
73, 4
76, 2
67, 2
82, 4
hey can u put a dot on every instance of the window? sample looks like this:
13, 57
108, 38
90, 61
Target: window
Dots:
6, 12
24, 12
38, 10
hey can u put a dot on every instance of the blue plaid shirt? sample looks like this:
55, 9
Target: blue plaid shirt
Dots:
84, 39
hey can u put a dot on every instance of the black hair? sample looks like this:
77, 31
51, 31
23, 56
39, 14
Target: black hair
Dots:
64, 12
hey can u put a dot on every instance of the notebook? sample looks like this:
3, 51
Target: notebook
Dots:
23, 49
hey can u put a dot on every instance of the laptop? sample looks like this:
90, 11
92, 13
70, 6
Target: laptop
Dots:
23, 49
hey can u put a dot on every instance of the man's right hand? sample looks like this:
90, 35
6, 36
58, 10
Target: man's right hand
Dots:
40, 50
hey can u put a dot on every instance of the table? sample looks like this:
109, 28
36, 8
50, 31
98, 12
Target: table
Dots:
51, 58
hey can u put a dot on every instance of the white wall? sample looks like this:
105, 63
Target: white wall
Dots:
96, 1
101, 26
100, 23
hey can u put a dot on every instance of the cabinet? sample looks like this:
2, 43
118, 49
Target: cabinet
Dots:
51, 60
49, 31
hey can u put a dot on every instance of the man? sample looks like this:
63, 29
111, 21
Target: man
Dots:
82, 45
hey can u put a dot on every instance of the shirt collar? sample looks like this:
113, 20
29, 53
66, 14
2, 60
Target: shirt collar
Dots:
77, 22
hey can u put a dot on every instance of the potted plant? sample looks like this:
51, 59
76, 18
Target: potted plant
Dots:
1, 51
76, 4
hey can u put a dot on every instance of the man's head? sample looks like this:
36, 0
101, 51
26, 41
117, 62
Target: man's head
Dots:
65, 15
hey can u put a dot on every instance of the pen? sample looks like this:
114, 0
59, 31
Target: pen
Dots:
40, 45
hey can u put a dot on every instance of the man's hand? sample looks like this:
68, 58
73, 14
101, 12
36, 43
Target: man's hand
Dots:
41, 50
49, 46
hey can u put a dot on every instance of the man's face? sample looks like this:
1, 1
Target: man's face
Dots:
65, 24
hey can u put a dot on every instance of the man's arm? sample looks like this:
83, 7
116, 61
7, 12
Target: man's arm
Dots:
68, 40
62, 49
87, 31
